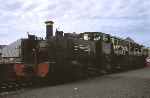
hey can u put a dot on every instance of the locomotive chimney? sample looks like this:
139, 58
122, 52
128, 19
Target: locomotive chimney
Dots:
49, 29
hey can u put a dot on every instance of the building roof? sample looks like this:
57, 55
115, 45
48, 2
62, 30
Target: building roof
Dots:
2, 46
130, 39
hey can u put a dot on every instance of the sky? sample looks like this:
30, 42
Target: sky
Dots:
122, 18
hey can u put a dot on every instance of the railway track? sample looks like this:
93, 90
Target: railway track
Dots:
14, 85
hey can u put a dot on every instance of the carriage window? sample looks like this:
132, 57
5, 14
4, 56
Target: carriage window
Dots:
115, 41
97, 37
86, 37
105, 38
140, 50
112, 40
136, 49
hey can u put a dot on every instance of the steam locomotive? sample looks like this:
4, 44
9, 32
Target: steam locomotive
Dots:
69, 56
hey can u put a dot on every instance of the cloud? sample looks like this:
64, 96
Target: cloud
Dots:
118, 17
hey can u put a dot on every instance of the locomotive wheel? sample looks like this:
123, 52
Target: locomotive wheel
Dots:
108, 68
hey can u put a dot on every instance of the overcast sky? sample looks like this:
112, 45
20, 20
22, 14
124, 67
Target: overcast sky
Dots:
118, 17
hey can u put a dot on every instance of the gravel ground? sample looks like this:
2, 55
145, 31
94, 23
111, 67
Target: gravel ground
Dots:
132, 84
